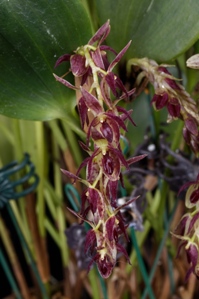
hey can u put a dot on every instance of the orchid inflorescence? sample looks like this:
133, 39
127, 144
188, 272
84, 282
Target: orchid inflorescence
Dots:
172, 95
103, 120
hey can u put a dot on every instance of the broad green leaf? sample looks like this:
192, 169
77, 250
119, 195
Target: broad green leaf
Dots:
160, 30
33, 34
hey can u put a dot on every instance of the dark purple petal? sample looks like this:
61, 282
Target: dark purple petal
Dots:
126, 204
121, 86
97, 58
129, 93
111, 192
183, 223
83, 164
192, 257
191, 126
192, 222
105, 266
107, 48
101, 34
186, 185
109, 165
105, 92
192, 254
180, 247
70, 175
119, 154
93, 123
84, 199
173, 107
160, 100
64, 82
119, 57
83, 112
126, 113
90, 241
111, 81
136, 159
117, 119
65, 57
122, 180
169, 81
163, 69
86, 75
172, 84
186, 135
80, 217
122, 225
77, 63
91, 101
107, 131
93, 167
95, 200
115, 129
84, 147
194, 197
96, 135
110, 225
123, 250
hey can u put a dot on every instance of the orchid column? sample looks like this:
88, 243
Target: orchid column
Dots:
103, 121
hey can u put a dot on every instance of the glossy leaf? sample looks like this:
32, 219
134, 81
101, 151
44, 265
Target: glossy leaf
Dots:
33, 34
159, 30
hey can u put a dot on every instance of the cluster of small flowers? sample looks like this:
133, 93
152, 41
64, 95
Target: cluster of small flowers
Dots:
172, 95
188, 229
103, 121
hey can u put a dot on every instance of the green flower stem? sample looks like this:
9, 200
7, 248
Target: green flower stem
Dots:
74, 146
9, 275
50, 199
56, 209
28, 253
17, 139
103, 286
154, 118
141, 264
20, 223
39, 129
60, 214
62, 236
177, 136
75, 127
58, 135
94, 284
53, 233
19, 154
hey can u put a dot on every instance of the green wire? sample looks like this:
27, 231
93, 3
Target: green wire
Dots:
103, 286
141, 264
29, 255
71, 192
9, 275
